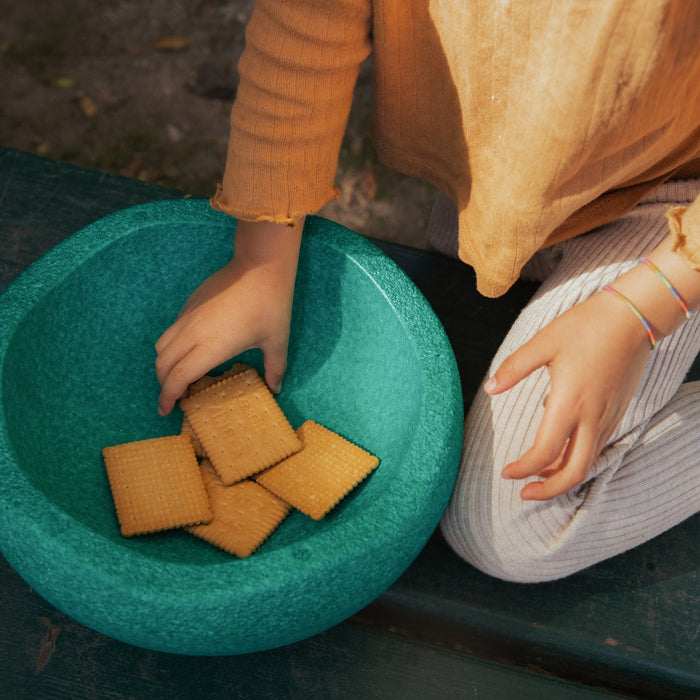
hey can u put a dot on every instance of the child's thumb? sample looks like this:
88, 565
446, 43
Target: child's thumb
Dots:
275, 366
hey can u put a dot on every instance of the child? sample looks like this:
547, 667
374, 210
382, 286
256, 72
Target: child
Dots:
544, 123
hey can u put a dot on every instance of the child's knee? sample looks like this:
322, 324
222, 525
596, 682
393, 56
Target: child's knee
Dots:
523, 542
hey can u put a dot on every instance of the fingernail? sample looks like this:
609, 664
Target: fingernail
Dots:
277, 388
490, 385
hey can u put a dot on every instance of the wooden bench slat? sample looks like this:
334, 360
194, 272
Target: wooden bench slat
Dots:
348, 661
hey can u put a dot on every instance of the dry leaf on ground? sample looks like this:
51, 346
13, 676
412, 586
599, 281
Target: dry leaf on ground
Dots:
173, 43
89, 107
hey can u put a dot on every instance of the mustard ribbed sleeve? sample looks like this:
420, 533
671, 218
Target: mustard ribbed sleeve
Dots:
298, 73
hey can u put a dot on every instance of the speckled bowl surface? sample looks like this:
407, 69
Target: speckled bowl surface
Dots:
367, 358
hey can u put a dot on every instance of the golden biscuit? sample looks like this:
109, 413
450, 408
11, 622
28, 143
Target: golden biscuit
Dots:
156, 485
245, 514
240, 426
321, 474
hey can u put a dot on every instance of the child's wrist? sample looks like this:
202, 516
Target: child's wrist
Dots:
268, 243
663, 288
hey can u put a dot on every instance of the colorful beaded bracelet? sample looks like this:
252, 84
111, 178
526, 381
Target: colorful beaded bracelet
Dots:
671, 288
636, 312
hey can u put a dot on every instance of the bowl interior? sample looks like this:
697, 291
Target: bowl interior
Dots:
78, 372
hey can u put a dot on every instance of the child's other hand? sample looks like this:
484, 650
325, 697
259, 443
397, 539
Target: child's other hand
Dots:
595, 354
246, 304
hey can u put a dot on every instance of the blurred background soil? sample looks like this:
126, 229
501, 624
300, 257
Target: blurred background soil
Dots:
144, 89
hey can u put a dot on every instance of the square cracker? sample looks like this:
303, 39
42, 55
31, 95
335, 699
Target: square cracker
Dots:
187, 429
245, 514
156, 485
322, 474
201, 384
208, 379
240, 426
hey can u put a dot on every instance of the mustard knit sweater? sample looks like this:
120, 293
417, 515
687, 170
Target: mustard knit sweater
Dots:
540, 119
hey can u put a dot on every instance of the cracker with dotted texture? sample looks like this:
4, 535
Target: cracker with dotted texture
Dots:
156, 485
209, 379
206, 381
245, 514
318, 477
240, 426
187, 429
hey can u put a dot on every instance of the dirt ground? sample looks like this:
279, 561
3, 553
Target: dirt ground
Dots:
144, 89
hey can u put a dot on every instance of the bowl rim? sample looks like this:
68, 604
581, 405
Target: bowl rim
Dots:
37, 546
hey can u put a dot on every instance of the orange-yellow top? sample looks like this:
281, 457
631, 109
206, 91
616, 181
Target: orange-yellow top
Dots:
540, 119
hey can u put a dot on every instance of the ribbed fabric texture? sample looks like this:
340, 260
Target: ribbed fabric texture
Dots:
646, 480
298, 72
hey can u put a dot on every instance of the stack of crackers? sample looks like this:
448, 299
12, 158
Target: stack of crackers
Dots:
237, 469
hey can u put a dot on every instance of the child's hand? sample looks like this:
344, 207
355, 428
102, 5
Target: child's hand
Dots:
595, 354
246, 304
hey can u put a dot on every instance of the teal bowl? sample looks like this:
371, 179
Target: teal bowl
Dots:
367, 358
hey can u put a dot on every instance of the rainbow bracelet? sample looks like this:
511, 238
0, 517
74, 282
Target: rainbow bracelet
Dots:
636, 312
671, 288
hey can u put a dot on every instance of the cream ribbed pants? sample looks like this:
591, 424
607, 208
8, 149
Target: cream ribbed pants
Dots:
646, 480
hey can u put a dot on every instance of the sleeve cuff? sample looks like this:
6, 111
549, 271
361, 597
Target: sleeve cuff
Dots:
684, 223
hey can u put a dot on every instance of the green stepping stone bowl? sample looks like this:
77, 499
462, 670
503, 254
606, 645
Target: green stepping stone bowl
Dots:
367, 358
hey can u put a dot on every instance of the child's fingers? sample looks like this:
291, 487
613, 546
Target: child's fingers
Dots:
169, 354
551, 441
187, 370
517, 366
167, 337
575, 467
275, 357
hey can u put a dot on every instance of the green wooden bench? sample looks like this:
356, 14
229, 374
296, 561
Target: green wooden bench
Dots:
629, 626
